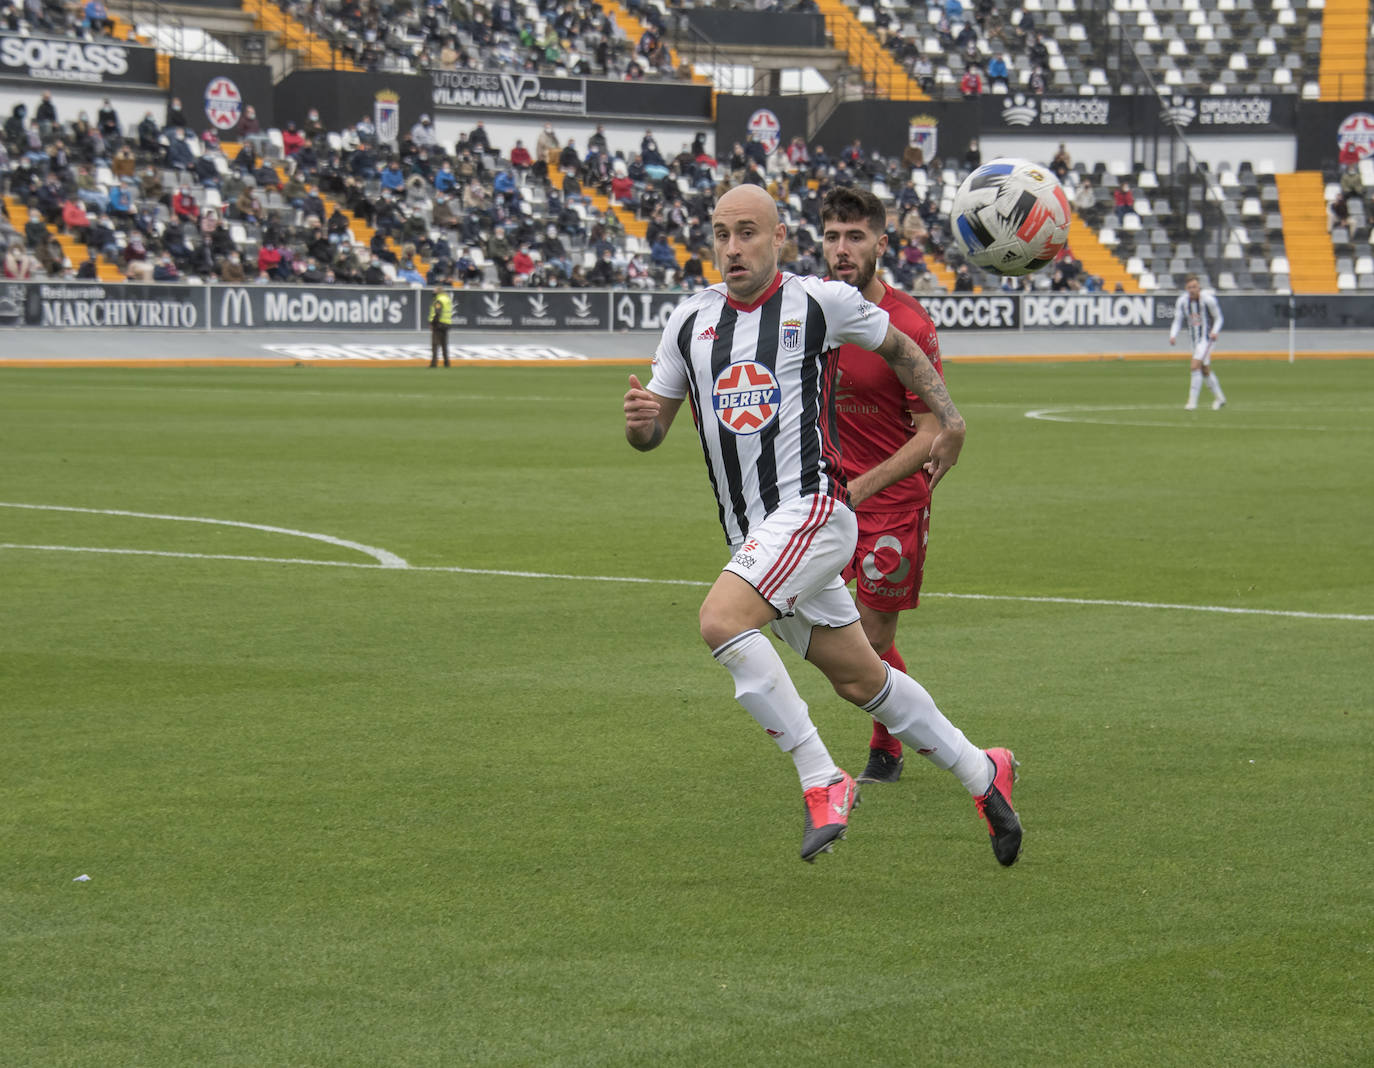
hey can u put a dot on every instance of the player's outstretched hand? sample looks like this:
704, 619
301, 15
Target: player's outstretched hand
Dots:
641, 411
944, 452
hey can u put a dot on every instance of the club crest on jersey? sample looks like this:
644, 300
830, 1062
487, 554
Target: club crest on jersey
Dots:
745, 397
791, 334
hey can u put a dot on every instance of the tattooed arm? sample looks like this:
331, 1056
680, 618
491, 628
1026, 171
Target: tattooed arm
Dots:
917, 373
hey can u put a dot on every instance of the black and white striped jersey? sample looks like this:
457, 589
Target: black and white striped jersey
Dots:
1201, 316
760, 379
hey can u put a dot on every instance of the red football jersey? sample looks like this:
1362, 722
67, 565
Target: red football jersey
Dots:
874, 410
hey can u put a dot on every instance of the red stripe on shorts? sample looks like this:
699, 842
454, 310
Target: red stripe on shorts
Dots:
792, 554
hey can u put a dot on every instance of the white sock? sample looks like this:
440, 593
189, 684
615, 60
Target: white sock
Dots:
764, 688
1194, 386
905, 708
1214, 385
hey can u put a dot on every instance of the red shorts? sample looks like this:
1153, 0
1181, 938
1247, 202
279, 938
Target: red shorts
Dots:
889, 559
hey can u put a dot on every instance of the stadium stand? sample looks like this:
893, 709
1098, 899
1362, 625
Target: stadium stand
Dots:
318, 210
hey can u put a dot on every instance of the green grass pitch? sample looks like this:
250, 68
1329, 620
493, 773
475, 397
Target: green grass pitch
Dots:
457, 813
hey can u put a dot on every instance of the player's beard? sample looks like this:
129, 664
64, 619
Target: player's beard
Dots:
864, 271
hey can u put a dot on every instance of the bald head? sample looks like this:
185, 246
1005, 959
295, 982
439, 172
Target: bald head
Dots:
751, 199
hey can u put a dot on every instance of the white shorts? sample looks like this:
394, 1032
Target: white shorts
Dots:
1202, 353
794, 559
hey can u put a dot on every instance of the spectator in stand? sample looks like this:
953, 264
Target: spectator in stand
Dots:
178, 156
75, 221
499, 252
997, 72
423, 134
520, 157
661, 256
973, 158
466, 269
46, 115
231, 270
120, 204
1037, 82
1352, 185
107, 119
375, 274
971, 84
164, 270
478, 141
292, 140
176, 116
1084, 197
547, 147
393, 178
923, 71
521, 265
1062, 163
97, 18
184, 206
1036, 51
19, 265
1338, 212
1124, 201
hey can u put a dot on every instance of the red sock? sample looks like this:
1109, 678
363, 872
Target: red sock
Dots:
881, 738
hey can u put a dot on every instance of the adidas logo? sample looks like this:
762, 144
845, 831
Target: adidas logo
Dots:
709, 334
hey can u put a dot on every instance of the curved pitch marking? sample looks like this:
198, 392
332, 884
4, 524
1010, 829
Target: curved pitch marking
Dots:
382, 556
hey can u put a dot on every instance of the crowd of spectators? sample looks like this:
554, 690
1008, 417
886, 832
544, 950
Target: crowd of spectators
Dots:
89, 19
975, 38
165, 205
565, 37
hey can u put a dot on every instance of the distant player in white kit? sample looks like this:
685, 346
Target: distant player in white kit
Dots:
755, 359
1202, 315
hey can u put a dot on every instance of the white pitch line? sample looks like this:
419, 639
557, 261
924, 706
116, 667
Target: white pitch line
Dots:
384, 558
1077, 414
1344, 617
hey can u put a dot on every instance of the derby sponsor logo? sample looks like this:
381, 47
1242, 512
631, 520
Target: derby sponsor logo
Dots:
68, 61
223, 103
1105, 310
96, 306
746, 397
994, 313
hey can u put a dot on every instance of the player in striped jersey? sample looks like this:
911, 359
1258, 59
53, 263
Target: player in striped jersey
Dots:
885, 434
755, 358
1202, 314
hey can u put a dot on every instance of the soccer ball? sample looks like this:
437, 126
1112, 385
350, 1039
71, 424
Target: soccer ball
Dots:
1011, 216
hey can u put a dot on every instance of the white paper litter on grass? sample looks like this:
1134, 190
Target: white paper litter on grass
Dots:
82, 879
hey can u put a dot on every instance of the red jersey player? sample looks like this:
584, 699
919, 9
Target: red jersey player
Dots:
885, 436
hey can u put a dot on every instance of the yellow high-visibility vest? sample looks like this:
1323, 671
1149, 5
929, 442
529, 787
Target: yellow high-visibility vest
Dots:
441, 311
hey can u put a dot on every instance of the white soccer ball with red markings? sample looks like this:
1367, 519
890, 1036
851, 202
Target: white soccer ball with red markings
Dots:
1011, 216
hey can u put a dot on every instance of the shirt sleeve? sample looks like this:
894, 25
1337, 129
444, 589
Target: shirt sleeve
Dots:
1216, 312
670, 366
1178, 318
849, 318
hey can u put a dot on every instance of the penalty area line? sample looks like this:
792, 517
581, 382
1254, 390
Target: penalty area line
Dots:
1091, 602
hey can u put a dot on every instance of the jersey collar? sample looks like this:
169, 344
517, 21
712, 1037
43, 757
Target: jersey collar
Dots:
777, 282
